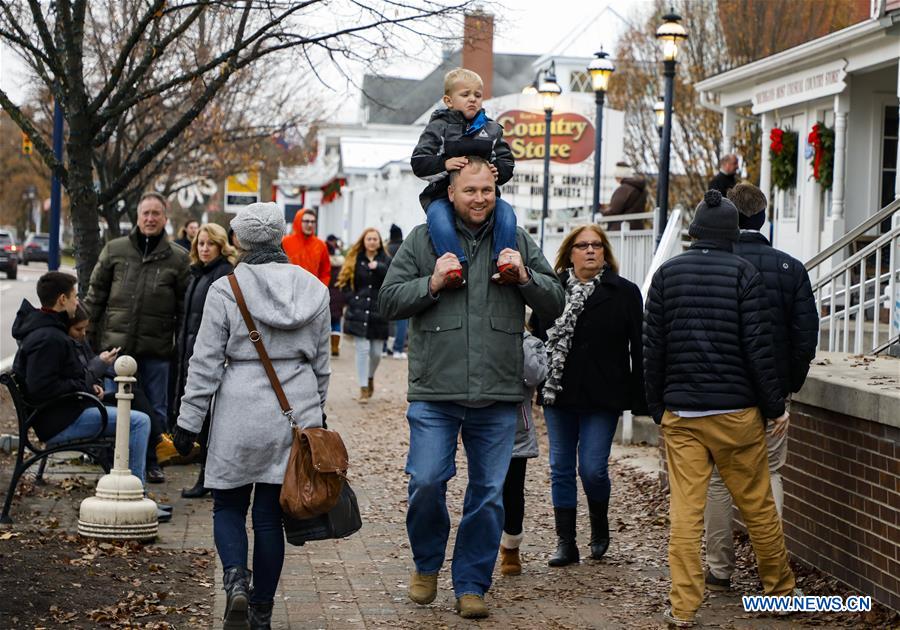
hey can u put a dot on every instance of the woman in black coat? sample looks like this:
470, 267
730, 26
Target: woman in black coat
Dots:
361, 277
594, 355
211, 258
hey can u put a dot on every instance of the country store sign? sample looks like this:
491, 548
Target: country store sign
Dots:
571, 136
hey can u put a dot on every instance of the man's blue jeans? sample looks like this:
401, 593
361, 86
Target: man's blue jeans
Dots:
230, 533
487, 434
88, 423
584, 437
154, 376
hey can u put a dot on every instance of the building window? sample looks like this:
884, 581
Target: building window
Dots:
580, 81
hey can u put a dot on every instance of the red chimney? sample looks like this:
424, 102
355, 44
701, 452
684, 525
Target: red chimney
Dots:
478, 47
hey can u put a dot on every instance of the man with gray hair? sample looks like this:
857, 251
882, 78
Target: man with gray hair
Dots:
795, 328
136, 301
726, 178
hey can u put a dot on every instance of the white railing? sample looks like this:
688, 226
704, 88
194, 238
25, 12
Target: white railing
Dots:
859, 298
633, 249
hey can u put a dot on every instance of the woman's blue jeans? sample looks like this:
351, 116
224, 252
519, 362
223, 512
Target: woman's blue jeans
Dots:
230, 533
583, 438
88, 424
441, 220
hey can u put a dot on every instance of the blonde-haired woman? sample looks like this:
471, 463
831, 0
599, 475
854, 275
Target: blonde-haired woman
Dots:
361, 277
595, 371
212, 257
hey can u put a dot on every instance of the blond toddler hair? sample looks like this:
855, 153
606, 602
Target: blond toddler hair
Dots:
460, 75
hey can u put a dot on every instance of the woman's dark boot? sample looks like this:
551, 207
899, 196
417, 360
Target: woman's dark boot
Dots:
599, 528
260, 616
566, 549
199, 490
237, 593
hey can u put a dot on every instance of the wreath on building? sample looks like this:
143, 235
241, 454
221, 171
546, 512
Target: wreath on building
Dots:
783, 156
332, 190
821, 139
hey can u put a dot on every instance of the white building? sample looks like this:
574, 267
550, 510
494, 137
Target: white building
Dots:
846, 80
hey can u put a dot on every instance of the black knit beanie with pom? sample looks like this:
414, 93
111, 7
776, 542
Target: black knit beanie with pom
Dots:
715, 218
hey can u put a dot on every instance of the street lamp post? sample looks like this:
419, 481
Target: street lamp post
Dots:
600, 69
670, 33
549, 90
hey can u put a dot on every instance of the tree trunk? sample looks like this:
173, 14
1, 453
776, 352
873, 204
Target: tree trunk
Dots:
83, 207
110, 212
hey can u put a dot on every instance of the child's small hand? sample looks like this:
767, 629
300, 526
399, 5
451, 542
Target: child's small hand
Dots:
494, 172
455, 164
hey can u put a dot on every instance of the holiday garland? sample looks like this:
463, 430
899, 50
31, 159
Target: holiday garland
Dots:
783, 155
821, 139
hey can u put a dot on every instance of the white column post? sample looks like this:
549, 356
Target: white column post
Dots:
835, 223
767, 121
729, 116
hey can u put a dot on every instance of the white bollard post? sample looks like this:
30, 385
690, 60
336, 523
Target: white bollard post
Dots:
119, 509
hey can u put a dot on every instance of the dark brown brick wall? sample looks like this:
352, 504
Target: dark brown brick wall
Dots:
842, 499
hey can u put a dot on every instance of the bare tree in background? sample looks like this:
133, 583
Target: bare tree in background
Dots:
721, 36
108, 68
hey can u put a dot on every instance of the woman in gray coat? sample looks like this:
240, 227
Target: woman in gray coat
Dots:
250, 438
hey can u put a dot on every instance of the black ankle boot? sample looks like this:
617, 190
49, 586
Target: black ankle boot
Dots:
599, 528
237, 592
260, 616
566, 549
199, 490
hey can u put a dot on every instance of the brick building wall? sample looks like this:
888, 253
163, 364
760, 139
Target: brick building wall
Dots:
842, 499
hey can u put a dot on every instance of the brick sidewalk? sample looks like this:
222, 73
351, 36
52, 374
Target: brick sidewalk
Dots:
361, 582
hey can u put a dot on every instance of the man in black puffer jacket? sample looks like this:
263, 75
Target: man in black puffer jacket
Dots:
796, 331
710, 378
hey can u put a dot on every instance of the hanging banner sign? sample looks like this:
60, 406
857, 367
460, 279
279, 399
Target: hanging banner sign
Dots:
571, 136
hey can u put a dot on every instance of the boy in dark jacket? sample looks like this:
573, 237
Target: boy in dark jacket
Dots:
48, 367
453, 133
710, 378
795, 328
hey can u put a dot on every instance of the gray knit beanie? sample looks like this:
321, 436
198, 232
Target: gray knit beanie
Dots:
259, 225
715, 218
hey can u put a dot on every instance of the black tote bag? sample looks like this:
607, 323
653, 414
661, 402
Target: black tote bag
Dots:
342, 521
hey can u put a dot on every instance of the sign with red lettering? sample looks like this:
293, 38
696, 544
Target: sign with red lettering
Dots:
571, 136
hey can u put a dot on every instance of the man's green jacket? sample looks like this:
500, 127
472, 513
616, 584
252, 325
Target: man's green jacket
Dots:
136, 301
465, 345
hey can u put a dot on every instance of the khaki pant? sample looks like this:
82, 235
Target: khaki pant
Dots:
735, 443
718, 517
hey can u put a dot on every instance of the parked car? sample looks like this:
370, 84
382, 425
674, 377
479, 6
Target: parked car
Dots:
36, 247
9, 254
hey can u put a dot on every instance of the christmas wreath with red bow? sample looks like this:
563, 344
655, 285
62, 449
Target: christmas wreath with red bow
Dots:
332, 190
783, 156
821, 139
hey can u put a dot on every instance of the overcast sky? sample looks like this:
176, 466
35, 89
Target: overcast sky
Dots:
521, 26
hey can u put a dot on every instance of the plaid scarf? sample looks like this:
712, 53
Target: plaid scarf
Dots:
559, 337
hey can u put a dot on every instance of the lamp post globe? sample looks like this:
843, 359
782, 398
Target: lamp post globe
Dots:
549, 90
670, 34
600, 69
